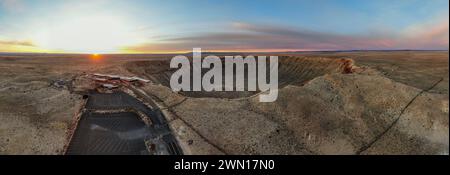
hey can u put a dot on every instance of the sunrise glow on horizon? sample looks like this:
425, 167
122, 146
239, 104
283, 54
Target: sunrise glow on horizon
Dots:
114, 26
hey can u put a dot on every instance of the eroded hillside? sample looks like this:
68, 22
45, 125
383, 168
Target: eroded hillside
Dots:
325, 106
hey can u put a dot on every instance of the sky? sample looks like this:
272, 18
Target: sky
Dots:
151, 26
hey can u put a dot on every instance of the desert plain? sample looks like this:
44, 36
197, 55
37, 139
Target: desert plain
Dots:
390, 102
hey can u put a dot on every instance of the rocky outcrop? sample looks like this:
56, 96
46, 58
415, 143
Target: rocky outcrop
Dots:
333, 113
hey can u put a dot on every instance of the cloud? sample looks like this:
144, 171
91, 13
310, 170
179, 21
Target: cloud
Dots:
17, 46
245, 36
431, 34
17, 43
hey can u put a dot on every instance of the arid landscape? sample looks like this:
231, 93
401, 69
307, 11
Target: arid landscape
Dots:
349, 102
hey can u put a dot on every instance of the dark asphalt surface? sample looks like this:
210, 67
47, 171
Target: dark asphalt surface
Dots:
121, 133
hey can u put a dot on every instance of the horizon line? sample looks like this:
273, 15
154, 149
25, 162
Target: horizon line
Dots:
189, 52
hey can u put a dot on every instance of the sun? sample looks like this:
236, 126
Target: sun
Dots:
88, 34
95, 57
